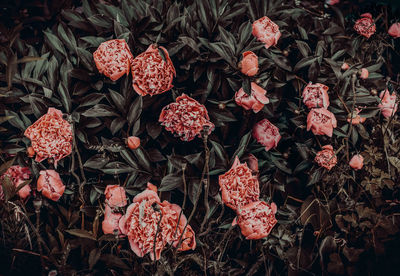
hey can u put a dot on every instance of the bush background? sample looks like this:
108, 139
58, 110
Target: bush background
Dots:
332, 223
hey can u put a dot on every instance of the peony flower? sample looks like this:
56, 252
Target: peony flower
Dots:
186, 118
252, 163
365, 26
30, 152
321, 121
238, 186
315, 95
133, 142
255, 100
266, 134
110, 224
249, 64
115, 196
388, 103
357, 119
147, 216
357, 162
326, 157
364, 73
152, 72
113, 58
51, 136
266, 31
256, 219
18, 175
345, 66
50, 184
394, 30
332, 2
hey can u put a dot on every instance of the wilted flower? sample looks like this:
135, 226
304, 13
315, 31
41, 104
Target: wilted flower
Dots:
249, 64
326, 157
256, 219
365, 26
51, 136
394, 30
364, 73
388, 103
18, 175
133, 142
186, 117
50, 184
266, 31
113, 58
115, 196
239, 186
357, 119
152, 71
146, 217
357, 162
110, 224
316, 95
256, 100
266, 134
321, 121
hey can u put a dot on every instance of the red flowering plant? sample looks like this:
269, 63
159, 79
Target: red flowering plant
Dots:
238, 186
51, 136
113, 58
281, 116
186, 118
152, 71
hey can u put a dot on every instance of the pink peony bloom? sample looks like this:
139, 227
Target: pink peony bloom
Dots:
332, 2
146, 217
50, 184
239, 186
110, 224
394, 30
357, 119
115, 196
364, 73
51, 136
252, 162
326, 157
152, 73
266, 31
113, 58
256, 100
18, 175
266, 134
388, 103
133, 142
365, 26
316, 95
256, 219
249, 64
345, 66
186, 117
357, 162
321, 121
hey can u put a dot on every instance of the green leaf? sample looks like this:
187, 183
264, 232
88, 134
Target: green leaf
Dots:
54, 42
170, 182
99, 110
304, 62
242, 146
65, 97
81, 233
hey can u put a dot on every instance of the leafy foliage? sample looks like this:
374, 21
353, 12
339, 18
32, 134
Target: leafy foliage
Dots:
328, 222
